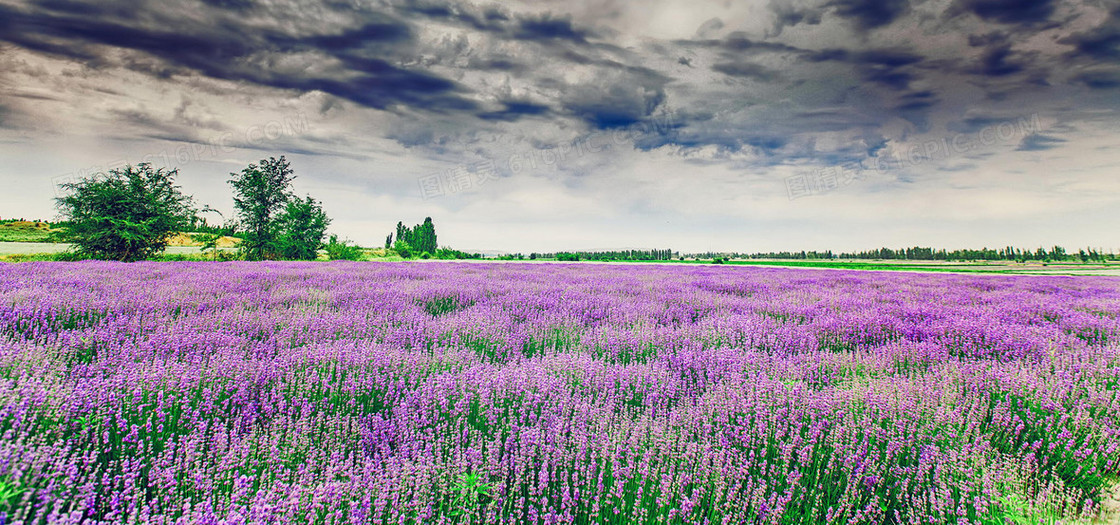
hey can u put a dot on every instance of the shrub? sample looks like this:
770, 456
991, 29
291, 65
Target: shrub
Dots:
342, 250
402, 248
301, 230
126, 215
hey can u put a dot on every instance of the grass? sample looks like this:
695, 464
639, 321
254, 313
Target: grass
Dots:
10, 489
14, 234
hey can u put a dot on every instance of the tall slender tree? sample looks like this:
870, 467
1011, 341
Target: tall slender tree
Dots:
261, 194
426, 236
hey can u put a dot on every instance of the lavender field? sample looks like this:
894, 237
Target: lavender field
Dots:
516, 393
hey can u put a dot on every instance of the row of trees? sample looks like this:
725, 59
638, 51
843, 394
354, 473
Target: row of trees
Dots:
615, 255
419, 239
1007, 253
132, 213
918, 253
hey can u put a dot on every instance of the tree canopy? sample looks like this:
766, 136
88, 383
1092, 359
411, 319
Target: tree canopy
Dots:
261, 193
418, 239
126, 215
301, 229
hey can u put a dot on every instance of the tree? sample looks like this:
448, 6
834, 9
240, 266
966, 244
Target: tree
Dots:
403, 233
425, 236
300, 230
261, 194
126, 215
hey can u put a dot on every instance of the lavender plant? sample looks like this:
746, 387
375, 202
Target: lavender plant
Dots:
345, 392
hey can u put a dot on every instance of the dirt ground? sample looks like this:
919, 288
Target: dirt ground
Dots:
184, 239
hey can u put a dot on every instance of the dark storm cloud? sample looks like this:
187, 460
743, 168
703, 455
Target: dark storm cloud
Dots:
549, 28
223, 50
1007, 11
974, 123
1100, 43
889, 58
1099, 79
516, 110
871, 14
787, 15
917, 101
6, 117
747, 70
468, 16
739, 43
235, 5
618, 107
460, 66
998, 58
996, 62
618, 96
1039, 142
886, 67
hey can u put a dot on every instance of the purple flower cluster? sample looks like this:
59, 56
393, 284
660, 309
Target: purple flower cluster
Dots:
225, 393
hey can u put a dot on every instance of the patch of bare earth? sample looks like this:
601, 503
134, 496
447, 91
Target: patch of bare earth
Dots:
1110, 508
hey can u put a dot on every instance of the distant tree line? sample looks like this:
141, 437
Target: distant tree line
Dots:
1007, 253
419, 239
918, 253
616, 255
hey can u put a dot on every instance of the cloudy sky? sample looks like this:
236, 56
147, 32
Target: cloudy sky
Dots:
586, 124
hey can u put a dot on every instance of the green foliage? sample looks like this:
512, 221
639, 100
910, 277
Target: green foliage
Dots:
342, 250
126, 215
403, 248
27, 231
201, 225
261, 194
449, 253
209, 243
300, 230
443, 305
10, 489
919, 253
276, 224
613, 255
421, 237
469, 494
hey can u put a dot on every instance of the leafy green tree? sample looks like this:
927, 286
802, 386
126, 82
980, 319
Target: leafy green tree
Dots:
127, 215
261, 194
425, 236
403, 233
300, 230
